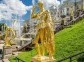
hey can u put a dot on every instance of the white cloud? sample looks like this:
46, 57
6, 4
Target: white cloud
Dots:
48, 3
3, 6
4, 12
9, 7
16, 6
29, 7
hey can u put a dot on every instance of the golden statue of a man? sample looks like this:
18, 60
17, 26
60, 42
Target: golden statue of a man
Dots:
45, 32
9, 36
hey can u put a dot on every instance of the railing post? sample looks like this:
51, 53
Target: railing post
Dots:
70, 59
18, 60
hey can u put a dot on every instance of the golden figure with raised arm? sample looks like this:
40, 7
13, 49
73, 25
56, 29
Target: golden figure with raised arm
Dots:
45, 32
9, 36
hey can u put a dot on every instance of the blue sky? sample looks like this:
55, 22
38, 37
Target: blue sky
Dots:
24, 17
19, 6
28, 3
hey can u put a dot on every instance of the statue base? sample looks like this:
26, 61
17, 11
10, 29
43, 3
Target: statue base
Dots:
7, 50
42, 59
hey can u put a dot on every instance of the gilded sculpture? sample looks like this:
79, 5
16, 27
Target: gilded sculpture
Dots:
9, 36
45, 31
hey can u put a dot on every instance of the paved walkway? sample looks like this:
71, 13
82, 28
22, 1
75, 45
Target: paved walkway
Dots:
6, 60
0, 60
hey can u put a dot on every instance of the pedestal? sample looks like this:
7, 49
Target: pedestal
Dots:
7, 50
42, 59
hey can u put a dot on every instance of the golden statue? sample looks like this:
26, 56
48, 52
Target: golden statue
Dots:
45, 32
9, 36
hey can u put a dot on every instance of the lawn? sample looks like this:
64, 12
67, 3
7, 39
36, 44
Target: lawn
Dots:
67, 42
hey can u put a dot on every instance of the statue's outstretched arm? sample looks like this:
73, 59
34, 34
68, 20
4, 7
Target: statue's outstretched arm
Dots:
33, 15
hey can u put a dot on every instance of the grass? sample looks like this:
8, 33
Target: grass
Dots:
67, 42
